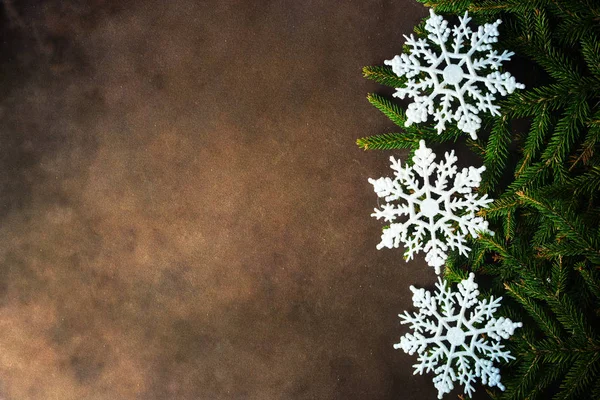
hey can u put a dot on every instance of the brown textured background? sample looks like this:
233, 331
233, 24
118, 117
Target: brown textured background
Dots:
183, 211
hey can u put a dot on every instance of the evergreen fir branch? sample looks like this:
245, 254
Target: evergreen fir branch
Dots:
505, 208
570, 316
453, 271
532, 176
588, 148
411, 153
520, 31
412, 133
487, 8
541, 99
590, 49
576, 19
557, 65
476, 147
594, 122
591, 144
566, 132
590, 277
447, 6
560, 174
541, 31
556, 360
404, 140
500, 207
493, 7
569, 8
551, 373
571, 30
509, 225
527, 371
477, 256
543, 235
388, 108
559, 276
580, 376
534, 286
538, 131
552, 59
563, 247
586, 184
503, 271
384, 75
551, 353
419, 30
567, 223
514, 311
496, 153
566, 352
536, 311
388, 141
491, 244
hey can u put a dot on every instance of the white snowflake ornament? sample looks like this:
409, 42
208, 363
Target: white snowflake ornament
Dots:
435, 211
449, 331
468, 79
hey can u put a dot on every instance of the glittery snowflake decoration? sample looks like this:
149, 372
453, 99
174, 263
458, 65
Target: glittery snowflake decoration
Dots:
437, 211
457, 336
456, 77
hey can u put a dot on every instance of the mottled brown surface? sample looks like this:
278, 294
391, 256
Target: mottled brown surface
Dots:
183, 211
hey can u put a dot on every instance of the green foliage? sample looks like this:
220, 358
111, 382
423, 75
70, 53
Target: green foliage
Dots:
388, 141
411, 135
496, 153
388, 108
542, 158
383, 75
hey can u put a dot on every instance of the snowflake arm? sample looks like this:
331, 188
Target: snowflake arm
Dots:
437, 207
461, 32
457, 336
452, 77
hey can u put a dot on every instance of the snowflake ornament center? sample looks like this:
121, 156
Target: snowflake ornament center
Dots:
472, 330
452, 74
430, 208
466, 86
456, 336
